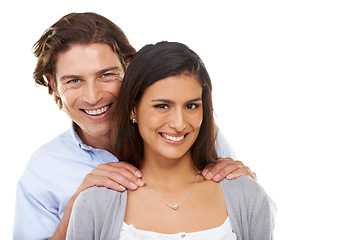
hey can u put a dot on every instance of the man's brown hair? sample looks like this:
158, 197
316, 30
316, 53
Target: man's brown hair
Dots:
77, 28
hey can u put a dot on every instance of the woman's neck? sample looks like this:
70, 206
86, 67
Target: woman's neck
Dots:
168, 172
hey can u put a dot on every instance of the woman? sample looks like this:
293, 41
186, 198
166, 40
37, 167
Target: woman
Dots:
165, 127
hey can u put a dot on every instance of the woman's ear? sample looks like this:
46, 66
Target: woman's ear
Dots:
52, 83
133, 115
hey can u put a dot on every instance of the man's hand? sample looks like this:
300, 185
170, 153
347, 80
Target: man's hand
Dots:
118, 176
226, 167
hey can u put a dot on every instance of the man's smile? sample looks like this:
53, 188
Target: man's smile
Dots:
99, 111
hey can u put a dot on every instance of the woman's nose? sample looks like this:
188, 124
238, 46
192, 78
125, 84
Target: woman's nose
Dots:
177, 121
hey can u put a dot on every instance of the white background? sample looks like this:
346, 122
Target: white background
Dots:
279, 70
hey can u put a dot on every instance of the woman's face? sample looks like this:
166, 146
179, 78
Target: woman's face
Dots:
169, 116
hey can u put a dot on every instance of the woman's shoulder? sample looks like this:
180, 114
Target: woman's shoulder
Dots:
99, 197
243, 187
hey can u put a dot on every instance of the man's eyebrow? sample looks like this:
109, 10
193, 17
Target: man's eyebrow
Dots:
118, 69
100, 72
72, 76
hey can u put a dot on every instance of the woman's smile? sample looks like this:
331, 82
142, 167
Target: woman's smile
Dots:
173, 138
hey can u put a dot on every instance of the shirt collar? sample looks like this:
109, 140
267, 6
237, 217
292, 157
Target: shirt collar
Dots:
104, 156
77, 139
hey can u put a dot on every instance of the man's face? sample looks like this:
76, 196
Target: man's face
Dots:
88, 82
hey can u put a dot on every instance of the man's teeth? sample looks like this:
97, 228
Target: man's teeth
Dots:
98, 111
174, 139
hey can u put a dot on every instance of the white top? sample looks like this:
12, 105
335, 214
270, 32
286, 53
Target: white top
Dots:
223, 232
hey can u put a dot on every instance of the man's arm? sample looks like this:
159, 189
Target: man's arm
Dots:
226, 167
33, 219
114, 175
41, 202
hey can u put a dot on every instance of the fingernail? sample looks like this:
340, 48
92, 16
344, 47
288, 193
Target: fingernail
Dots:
208, 175
229, 176
217, 176
138, 174
140, 182
133, 186
122, 188
204, 172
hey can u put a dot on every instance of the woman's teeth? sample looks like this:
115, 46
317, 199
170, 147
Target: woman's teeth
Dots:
98, 111
174, 139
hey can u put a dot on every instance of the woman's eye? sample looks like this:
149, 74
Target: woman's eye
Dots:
192, 106
161, 106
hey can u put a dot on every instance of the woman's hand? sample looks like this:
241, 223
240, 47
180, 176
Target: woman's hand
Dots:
226, 167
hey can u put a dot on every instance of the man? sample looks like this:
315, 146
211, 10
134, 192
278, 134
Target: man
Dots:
82, 59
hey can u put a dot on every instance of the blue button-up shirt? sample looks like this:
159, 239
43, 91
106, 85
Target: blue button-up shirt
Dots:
51, 178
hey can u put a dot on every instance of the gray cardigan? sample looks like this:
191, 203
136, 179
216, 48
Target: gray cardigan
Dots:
98, 212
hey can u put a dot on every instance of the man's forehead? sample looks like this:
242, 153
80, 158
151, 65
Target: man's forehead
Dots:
87, 59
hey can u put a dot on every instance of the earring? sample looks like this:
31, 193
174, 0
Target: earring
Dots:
133, 120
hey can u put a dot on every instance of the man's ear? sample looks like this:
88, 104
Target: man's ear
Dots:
52, 84
128, 61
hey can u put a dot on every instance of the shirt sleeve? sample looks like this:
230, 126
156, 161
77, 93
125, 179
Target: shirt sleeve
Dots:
34, 218
223, 148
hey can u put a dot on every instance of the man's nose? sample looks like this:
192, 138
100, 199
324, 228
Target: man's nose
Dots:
92, 93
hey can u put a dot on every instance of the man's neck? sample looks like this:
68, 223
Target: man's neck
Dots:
103, 142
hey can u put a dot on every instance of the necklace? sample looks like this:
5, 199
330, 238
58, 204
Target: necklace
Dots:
174, 206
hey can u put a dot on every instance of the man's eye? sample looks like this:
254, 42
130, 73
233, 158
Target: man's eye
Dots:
106, 74
74, 81
112, 76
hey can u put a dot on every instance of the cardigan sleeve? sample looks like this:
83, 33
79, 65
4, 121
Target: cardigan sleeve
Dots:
259, 211
98, 213
81, 223
249, 208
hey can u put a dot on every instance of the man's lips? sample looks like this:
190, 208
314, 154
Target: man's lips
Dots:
98, 111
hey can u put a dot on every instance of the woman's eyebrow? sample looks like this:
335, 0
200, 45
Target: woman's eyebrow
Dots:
170, 101
194, 100
162, 100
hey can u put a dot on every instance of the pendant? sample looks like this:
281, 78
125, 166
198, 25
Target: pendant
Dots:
175, 207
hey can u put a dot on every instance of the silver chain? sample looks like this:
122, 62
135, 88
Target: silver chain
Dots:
174, 206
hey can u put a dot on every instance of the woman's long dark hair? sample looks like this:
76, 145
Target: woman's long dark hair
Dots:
151, 64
